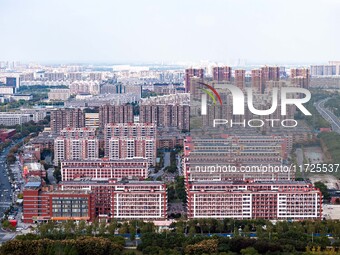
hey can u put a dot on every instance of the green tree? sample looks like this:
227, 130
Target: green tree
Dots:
124, 229
57, 174
11, 158
89, 230
95, 226
203, 247
69, 227
192, 230
249, 251
323, 188
112, 226
102, 228
132, 231
81, 227
6, 224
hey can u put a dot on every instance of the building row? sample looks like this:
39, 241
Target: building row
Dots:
236, 158
76, 144
121, 141
282, 200
61, 76
324, 70
259, 78
124, 199
66, 117
245, 177
163, 113
19, 118
166, 111
130, 140
115, 114
42, 205
85, 87
87, 199
105, 169
77, 118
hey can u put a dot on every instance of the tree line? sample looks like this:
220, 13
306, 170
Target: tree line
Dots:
191, 237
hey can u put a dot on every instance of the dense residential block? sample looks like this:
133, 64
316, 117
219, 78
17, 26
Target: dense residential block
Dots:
166, 111
76, 144
115, 114
236, 158
66, 117
300, 77
124, 199
59, 94
12, 119
130, 140
325, 70
260, 77
222, 73
41, 205
192, 73
104, 169
273, 200
240, 78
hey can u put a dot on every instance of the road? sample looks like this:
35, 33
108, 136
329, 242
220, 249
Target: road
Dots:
50, 176
5, 185
6, 192
299, 160
166, 159
179, 165
166, 163
328, 115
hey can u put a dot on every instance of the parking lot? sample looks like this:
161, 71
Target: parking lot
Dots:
331, 211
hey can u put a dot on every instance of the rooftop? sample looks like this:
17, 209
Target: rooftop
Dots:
32, 185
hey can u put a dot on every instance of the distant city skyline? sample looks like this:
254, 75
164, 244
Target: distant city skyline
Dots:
112, 32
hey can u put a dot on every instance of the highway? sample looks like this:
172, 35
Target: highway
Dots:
6, 193
328, 115
5, 185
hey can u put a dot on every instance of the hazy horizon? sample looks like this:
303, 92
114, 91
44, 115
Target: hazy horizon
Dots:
150, 31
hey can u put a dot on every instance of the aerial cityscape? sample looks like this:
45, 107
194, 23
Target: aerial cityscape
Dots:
141, 127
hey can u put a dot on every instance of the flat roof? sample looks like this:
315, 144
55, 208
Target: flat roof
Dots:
32, 185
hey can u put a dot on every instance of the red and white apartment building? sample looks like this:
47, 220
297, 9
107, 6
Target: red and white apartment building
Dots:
280, 200
215, 191
167, 111
76, 144
105, 169
130, 140
41, 204
124, 199
235, 158
86, 193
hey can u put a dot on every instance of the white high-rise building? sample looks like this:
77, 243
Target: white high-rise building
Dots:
76, 144
130, 140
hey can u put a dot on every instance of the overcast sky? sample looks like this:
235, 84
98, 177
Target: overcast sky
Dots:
126, 31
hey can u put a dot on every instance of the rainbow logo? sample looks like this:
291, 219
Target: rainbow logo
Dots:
210, 91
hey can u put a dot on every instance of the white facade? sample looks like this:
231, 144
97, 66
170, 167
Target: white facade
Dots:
6, 90
59, 94
12, 119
